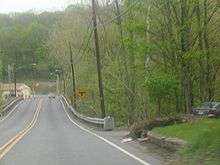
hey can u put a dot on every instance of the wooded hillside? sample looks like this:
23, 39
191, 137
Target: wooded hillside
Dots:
158, 57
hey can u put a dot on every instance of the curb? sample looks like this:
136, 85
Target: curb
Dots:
166, 142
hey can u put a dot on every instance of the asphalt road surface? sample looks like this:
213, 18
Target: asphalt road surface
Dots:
44, 134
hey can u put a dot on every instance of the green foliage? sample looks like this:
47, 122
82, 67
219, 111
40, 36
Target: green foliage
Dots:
162, 89
154, 40
161, 86
135, 26
23, 35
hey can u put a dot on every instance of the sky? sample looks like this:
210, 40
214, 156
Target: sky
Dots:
8, 6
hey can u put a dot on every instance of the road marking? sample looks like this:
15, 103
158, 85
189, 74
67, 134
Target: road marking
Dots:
13, 141
105, 140
16, 106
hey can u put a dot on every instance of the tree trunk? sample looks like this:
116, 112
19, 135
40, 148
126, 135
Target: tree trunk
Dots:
128, 79
202, 73
97, 52
186, 64
74, 100
209, 67
159, 107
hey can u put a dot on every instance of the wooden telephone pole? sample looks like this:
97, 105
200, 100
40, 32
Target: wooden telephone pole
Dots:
97, 53
15, 75
73, 76
15, 80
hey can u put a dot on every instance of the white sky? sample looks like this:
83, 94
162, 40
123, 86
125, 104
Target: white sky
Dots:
7, 6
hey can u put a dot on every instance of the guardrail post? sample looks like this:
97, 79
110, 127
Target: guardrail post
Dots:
108, 123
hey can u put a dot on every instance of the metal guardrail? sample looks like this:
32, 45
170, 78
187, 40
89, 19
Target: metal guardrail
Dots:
7, 107
107, 123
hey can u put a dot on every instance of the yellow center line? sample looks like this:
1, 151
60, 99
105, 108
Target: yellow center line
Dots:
13, 141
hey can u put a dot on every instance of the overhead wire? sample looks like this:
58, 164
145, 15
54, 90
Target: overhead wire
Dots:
121, 15
103, 24
86, 42
82, 50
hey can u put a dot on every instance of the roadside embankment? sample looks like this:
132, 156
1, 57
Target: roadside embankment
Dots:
202, 137
194, 140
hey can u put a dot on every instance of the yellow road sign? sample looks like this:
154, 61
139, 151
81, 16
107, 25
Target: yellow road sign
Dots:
82, 93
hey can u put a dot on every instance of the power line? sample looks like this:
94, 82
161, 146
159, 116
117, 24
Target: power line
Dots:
82, 48
124, 13
90, 24
84, 43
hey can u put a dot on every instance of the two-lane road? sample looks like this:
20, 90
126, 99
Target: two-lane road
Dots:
55, 140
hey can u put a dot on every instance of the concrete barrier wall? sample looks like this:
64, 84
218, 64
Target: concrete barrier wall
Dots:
166, 142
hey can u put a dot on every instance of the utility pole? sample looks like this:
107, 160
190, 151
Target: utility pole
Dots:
34, 78
97, 53
64, 83
15, 75
9, 73
73, 76
58, 84
15, 80
119, 19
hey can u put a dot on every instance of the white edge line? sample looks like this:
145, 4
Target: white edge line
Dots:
15, 107
105, 140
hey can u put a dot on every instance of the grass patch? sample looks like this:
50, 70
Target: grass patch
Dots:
203, 137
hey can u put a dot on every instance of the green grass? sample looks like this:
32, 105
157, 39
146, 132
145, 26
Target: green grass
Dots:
203, 137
